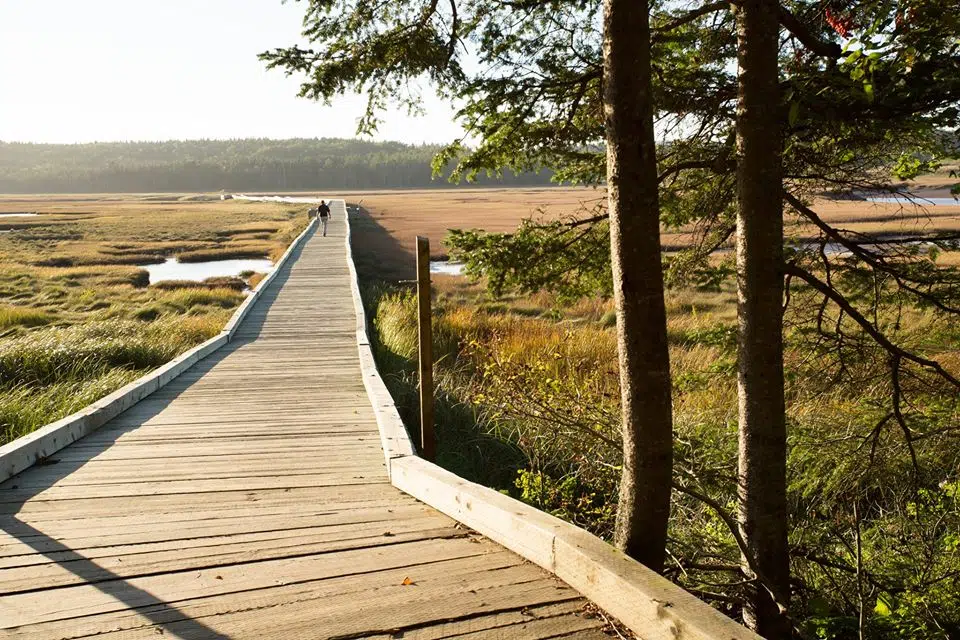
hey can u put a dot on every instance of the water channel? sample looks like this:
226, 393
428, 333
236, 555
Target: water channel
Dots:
199, 271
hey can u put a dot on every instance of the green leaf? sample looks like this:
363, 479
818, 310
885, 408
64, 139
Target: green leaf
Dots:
794, 113
884, 606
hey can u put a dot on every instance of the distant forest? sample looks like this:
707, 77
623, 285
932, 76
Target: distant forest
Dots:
234, 165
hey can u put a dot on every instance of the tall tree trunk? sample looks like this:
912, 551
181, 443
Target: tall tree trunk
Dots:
644, 507
762, 459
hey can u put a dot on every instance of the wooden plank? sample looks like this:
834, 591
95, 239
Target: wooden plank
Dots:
503, 625
80, 534
359, 617
341, 495
356, 466
449, 574
356, 605
68, 567
180, 487
178, 586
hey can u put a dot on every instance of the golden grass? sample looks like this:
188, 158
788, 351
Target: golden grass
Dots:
68, 281
386, 241
185, 299
111, 230
12, 316
224, 253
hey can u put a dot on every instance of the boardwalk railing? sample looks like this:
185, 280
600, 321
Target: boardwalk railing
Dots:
649, 604
32, 448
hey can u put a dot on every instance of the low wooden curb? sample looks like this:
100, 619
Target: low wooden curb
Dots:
394, 437
650, 605
24, 452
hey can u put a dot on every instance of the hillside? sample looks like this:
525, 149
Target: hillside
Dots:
211, 165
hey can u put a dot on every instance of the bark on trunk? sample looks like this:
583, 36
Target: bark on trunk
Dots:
762, 459
644, 506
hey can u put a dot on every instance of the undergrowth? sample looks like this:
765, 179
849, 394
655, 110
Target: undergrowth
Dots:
528, 403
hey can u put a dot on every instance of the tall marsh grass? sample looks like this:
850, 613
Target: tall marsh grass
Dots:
89, 350
25, 408
52, 372
13, 316
224, 253
184, 299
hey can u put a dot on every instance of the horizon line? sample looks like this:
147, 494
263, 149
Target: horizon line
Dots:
237, 139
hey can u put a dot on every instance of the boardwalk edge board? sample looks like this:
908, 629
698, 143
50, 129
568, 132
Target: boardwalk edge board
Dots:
24, 452
647, 603
394, 437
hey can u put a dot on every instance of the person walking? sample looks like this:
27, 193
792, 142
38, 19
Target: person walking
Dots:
323, 212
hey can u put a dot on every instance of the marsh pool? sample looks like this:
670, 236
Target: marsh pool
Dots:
198, 271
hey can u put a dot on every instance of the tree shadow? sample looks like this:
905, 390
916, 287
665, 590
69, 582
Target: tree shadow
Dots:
142, 602
377, 254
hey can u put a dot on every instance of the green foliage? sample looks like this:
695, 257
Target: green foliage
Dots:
547, 389
554, 256
566, 498
908, 167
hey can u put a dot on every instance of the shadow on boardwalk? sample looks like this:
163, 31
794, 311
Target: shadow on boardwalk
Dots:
13, 496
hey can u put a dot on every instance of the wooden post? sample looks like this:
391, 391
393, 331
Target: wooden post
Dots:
427, 438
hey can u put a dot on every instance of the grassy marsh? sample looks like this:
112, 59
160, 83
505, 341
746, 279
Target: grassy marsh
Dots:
79, 319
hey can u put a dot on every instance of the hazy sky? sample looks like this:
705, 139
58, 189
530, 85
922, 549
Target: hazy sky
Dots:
99, 70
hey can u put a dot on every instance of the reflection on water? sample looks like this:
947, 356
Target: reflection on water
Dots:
446, 267
197, 271
22, 214
919, 201
290, 199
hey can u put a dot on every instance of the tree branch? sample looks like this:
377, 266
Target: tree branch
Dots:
735, 532
857, 248
659, 32
837, 298
808, 38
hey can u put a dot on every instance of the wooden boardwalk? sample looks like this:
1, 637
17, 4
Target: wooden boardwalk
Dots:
249, 499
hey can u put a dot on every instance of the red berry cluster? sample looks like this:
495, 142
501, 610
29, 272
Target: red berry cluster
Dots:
841, 23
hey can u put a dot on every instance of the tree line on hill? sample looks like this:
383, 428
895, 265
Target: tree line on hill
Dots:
211, 165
